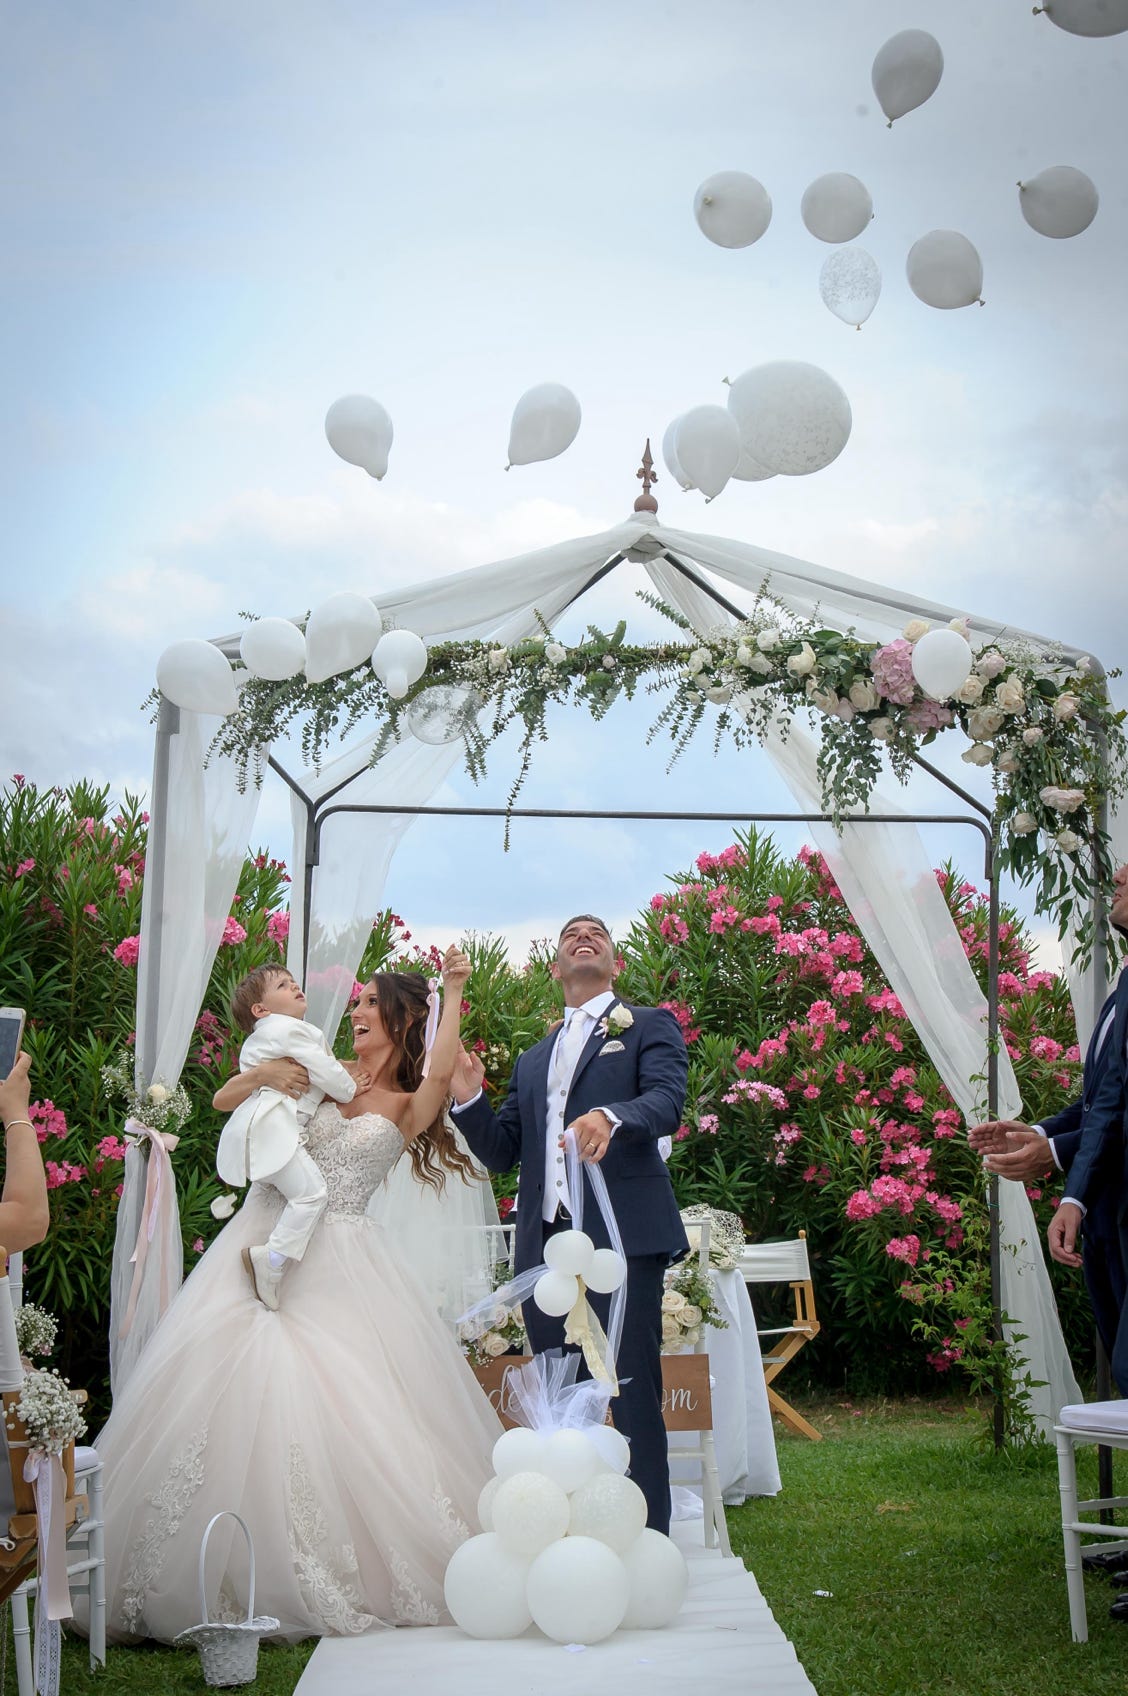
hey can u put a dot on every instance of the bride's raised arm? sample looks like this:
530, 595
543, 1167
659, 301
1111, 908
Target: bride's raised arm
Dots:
431, 1097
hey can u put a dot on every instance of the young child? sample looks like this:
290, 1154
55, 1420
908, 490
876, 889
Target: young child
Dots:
263, 1139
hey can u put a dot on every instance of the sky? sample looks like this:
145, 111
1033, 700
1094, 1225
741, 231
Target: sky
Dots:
225, 216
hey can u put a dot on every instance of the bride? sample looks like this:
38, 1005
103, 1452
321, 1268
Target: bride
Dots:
345, 1428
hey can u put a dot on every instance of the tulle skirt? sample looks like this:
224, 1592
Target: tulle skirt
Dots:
346, 1429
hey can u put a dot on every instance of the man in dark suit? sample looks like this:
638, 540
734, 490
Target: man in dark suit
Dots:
615, 1075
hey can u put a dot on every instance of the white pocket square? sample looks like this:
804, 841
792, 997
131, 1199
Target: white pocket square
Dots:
612, 1047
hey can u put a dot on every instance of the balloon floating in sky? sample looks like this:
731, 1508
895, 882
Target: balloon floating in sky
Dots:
793, 418
1087, 17
707, 445
546, 420
1060, 202
749, 469
850, 284
944, 270
906, 72
732, 209
670, 455
836, 207
359, 430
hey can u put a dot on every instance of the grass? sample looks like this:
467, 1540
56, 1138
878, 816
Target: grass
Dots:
943, 1562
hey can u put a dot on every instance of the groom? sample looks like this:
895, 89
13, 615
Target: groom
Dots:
616, 1076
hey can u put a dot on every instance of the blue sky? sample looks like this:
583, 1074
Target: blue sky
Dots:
225, 216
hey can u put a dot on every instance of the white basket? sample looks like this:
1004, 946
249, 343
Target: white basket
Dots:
228, 1653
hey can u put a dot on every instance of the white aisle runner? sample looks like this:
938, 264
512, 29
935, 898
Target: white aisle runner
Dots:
724, 1640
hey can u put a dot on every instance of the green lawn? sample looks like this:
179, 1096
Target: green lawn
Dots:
944, 1564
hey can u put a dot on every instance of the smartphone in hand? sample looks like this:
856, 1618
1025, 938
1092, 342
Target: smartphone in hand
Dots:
11, 1037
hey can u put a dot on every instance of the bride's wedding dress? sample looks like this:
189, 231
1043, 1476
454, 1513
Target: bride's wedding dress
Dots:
346, 1428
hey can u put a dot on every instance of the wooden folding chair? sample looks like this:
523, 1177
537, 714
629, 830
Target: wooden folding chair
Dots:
785, 1263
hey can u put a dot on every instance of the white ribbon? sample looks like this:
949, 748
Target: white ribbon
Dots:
44, 1472
432, 1027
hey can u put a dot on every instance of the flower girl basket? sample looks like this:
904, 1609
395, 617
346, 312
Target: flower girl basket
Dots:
228, 1653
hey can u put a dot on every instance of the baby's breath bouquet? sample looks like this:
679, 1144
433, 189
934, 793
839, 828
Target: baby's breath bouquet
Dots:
687, 1306
49, 1412
505, 1334
36, 1329
726, 1235
159, 1107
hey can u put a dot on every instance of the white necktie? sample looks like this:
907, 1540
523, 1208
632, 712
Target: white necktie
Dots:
568, 1049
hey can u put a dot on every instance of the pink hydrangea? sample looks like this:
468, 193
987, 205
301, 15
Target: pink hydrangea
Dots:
127, 950
892, 668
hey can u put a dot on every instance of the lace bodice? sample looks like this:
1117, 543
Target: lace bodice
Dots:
354, 1155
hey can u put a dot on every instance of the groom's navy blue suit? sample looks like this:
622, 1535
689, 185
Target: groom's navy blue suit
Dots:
638, 1074
1091, 1146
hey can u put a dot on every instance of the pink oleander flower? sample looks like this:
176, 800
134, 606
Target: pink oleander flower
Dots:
674, 929
125, 879
681, 1133
708, 1124
858, 1137
885, 1002
1045, 1048
846, 984
49, 1120
127, 950
109, 1148
946, 1122
913, 1102
846, 947
90, 910
233, 934
198, 1246
278, 927
861, 1205
60, 1173
904, 1248
23, 868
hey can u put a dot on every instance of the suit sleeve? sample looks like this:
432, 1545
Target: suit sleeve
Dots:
325, 1070
1061, 1124
1102, 1127
495, 1138
663, 1066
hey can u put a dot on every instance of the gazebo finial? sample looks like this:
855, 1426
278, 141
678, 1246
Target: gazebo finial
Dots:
648, 475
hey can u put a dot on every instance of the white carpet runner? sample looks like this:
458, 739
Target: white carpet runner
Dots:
724, 1640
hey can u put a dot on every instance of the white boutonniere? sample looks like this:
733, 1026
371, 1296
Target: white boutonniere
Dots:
616, 1021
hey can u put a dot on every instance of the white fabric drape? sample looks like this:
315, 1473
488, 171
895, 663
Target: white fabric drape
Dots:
197, 843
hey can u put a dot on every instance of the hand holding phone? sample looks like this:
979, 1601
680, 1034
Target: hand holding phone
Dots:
11, 1037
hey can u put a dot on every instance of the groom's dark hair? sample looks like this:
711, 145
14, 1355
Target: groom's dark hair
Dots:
591, 918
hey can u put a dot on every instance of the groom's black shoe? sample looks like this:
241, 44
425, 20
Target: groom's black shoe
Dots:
1119, 1609
1108, 1561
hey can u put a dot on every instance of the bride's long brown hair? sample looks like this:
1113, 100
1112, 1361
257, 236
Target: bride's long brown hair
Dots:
402, 1001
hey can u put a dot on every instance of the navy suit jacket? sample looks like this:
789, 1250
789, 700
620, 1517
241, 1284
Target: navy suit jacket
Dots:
639, 1074
1090, 1134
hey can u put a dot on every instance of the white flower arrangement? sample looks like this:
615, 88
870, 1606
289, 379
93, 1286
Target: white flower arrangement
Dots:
726, 1235
505, 1334
158, 1106
36, 1330
49, 1412
687, 1306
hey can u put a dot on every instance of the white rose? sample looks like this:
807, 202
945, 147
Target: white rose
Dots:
1009, 760
845, 711
744, 654
620, 1018
157, 1093
1084, 666
915, 629
961, 626
863, 696
698, 660
555, 653
971, 691
609, 662
671, 1330
1065, 706
692, 1338
1010, 695
979, 754
758, 663
719, 694
826, 700
493, 1345
767, 640
802, 663
1064, 800
990, 663
1031, 735
690, 1315
1023, 823
1068, 839
881, 729
498, 659
223, 1206
983, 722
673, 1301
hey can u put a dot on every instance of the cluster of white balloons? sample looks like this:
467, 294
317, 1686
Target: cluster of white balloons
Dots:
564, 1544
572, 1257
342, 633
785, 418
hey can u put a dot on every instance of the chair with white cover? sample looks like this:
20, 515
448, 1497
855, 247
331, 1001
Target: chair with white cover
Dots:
785, 1263
1106, 1424
702, 1450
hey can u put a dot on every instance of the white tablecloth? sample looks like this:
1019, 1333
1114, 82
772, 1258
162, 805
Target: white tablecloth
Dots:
742, 1423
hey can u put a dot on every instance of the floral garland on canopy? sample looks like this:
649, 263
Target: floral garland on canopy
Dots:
1042, 723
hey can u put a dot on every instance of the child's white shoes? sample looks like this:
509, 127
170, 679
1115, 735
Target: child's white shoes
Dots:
266, 1280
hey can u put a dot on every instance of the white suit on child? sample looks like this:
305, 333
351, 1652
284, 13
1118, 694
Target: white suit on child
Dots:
263, 1138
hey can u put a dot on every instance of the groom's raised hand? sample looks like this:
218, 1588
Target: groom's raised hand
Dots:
468, 1077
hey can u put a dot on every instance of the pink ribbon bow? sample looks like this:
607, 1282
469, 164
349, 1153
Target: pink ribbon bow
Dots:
159, 1208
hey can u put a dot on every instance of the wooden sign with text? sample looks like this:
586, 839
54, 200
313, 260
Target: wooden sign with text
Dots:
687, 1404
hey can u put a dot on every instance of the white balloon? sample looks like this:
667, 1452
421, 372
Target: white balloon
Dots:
708, 447
1060, 202
658, 1579
610, 1508
546, 420
485, 1588
569, 1251
606, 1272
193, 674
399, 659
340, 634
944, 270
793, 417
836, 207
442, 713
555, 1293
1087, 17
850, 284
577, 1591
670, 455
732, 209
273, 648
569, 1459
942, 663
529, 1512
906, 72
485, 1502
749, 469
612, 1446
517, 1450
360, 431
